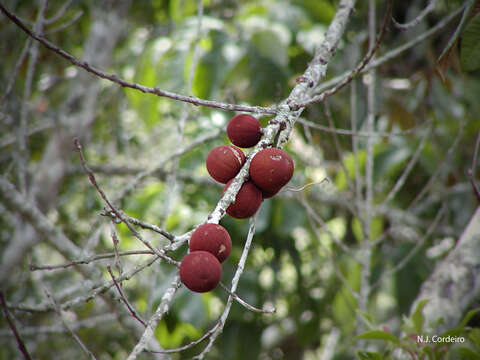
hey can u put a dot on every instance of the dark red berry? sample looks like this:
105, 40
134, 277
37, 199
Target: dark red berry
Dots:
213, 238
271, 169
224, 162
200, 271
247, 202
244, 130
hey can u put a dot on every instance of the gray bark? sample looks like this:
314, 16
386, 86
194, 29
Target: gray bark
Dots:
454, 285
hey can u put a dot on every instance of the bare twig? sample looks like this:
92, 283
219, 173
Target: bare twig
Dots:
324, 226
63, 26
336, 268
124, 299
245, 304
439, 168
67, 326
172, 178
358, 133
162, 309
59, 13
13, 74
415, 249
428, 9
366, 247
395, 52
114, 78
88, 260
233, 288
96, 290
115, 241
91, 176
471, 171
142, 224
371, 52
401, 180
11, 324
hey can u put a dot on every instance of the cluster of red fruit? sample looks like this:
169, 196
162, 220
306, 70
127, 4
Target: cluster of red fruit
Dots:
270, 170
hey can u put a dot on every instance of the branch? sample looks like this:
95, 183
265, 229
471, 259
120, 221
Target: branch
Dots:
371, 52
428, 9
455, 283
123, 83
395, 52
118, 214
162, 309
124, 299
20, 343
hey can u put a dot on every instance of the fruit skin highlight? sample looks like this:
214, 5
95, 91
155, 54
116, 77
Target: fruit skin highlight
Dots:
244, 130
200, 271
271, 169
213, 238
224, 162
247, 202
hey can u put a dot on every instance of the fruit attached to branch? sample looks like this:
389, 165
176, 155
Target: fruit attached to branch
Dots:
213, 238
270, 170
224, 162
247, 202
200, 271
244, 130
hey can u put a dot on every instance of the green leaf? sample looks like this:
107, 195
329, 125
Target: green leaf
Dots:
458, 31
474, 335
467, 318
417, 316
467, 353
378, 335
470, 47
368, 355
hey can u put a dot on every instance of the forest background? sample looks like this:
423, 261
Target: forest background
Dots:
375, 240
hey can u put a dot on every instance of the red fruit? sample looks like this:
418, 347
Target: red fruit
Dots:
224, 162
212, 238
244, 130
270, 193
271, 169
247, 202
200, 271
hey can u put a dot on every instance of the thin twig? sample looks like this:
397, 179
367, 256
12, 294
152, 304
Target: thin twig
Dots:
59, 13
67, 326
89, 260
245, 304
96, 290
401, 180
366, 246
471, 172
439, 168
115, 241
63, 26
142, 224
359, 133
233, 288
415, 249
336, 268
114, 78
395, 52
371, 52
13, 74
162, 309
324, 226
328, 115
428, 9
124, 299
11, 324
91, 177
